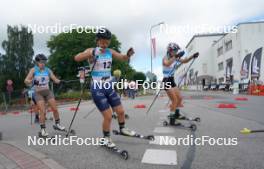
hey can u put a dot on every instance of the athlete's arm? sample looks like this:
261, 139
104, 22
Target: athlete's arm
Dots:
186, 60
87, 54
168, 61
29, 78
53, 77
123, 57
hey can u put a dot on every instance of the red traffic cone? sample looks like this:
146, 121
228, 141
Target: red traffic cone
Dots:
241, 98
140, 106
223, 105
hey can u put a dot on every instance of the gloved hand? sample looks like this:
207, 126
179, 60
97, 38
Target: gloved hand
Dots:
180, 54
196, 55
130, 52
35, 82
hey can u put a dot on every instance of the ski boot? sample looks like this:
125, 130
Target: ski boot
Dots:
108, 142
59, 127
43, 133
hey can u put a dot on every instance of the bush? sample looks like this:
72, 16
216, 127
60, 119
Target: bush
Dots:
74, 95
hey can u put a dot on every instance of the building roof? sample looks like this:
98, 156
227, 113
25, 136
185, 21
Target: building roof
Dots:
204, 35
219, 34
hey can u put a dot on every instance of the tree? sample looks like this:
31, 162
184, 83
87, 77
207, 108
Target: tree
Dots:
17, 60
65, 46
139, 76
151, 76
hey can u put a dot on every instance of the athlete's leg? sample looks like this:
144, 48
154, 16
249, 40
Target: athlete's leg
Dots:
53, 106
107, 114
173, 106
173, 98
120, 113
179, 102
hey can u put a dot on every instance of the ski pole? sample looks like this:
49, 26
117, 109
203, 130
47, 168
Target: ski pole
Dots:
79, 102
31, 111
90, 112
248, 131
186, 72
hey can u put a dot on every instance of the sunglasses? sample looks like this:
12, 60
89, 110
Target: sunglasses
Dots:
42, 61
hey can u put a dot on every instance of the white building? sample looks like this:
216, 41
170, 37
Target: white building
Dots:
225, 58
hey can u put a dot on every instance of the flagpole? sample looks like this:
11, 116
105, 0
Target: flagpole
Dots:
153, 26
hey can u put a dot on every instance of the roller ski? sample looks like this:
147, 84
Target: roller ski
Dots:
114, 116
172, 122
129, 133
109, 145
60, 128
179, 116
196, 119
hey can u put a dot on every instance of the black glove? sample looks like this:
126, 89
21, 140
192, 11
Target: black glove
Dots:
196, 55
36, 82
130, 52
180, 54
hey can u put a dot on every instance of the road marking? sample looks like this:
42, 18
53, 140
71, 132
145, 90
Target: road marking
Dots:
163, 130
164, 111
162, 157
162, 140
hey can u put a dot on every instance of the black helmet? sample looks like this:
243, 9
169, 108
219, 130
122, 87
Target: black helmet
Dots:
40, 57
103, 33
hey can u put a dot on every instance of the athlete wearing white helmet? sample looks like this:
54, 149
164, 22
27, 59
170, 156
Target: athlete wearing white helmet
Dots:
171, 60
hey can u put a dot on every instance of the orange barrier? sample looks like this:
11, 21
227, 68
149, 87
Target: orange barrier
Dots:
73, 109
140, 106
256, 90
241, 99
222, 105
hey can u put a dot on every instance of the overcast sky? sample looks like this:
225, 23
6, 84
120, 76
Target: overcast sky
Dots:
130, 20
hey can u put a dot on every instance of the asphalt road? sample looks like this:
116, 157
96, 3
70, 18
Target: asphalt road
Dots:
215, 123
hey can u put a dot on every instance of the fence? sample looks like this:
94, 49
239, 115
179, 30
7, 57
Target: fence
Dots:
64, 93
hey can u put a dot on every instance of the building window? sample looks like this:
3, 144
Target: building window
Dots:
221, 80
228, 45
220, 66
220, 51
204, 68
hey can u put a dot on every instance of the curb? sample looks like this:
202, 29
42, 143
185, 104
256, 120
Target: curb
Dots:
43, 158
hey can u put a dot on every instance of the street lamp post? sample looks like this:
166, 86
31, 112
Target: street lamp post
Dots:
153, 26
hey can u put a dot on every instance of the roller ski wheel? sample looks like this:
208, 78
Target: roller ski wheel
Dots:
136, 135
122, 153
165, 123
151, 137
197, 119
193, 127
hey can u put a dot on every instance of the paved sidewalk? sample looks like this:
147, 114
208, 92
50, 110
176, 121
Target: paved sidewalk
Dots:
14, 156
